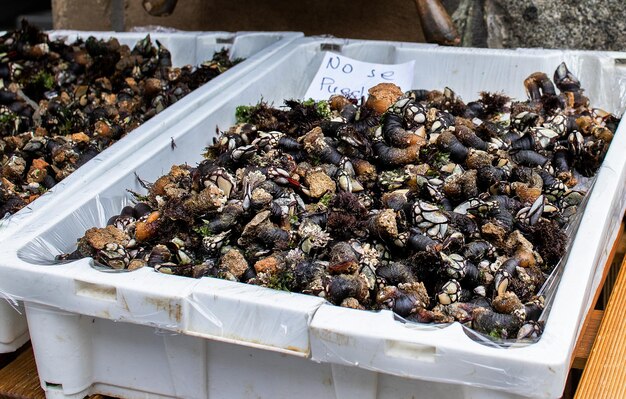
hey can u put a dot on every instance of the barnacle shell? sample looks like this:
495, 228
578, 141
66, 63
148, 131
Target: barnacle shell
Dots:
210, 199
337, 102
477, 159
270, 265
383, 96
461, 186
525, 193
146, 230
343, 259
98, 238
351, 303
14, 168
234, 262
384, 225
37, 172
319, 183
507, 303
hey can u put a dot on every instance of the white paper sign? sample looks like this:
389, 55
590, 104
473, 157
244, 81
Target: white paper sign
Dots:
352, 78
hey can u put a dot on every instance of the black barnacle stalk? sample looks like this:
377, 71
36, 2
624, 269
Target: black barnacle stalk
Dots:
289, 144
346, 286
561, 160
328, 153
364, 124
552, 187
463, 223
474, 109
489, 175
505, 218
159, 254
473, 276
505, 203
165, 58
494, 324
421, 242
404, 303
526, 142
449, 143
523, 121
393, 156
565, 80
469, 138
529, 158
273, 237
537, 85
394, 273
533, 310
530, 330
417, 95
306, 272
504, 275
349, 112
478, 250
319, 218
394, 133
330, 128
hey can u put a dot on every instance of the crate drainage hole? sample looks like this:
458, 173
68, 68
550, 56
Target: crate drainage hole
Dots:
51, 385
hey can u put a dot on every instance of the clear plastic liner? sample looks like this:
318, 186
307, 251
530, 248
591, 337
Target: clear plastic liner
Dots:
308, 326
154, 28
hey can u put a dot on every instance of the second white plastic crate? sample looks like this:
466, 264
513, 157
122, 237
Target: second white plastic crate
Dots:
373, 349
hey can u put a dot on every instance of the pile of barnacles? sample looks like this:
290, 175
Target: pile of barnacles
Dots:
414, 202
61, 104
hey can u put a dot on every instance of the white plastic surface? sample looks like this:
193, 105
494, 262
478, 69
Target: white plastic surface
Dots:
369, 347
134, 361
186, 48
13, 328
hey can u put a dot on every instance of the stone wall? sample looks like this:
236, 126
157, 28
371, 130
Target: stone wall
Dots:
385, 20
582, 24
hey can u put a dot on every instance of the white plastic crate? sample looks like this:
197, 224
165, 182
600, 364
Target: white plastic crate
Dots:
122, 324
186, 48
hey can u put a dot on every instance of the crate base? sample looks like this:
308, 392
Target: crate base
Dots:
100, 356
15, 344
13, 328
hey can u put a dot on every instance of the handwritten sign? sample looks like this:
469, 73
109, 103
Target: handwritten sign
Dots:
352, 78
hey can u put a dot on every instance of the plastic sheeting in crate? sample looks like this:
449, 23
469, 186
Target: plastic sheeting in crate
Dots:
372, 348
187, 48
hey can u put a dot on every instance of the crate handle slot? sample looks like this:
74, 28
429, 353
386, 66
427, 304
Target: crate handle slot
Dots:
410, 350
97, 291
330, 47
225, 40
